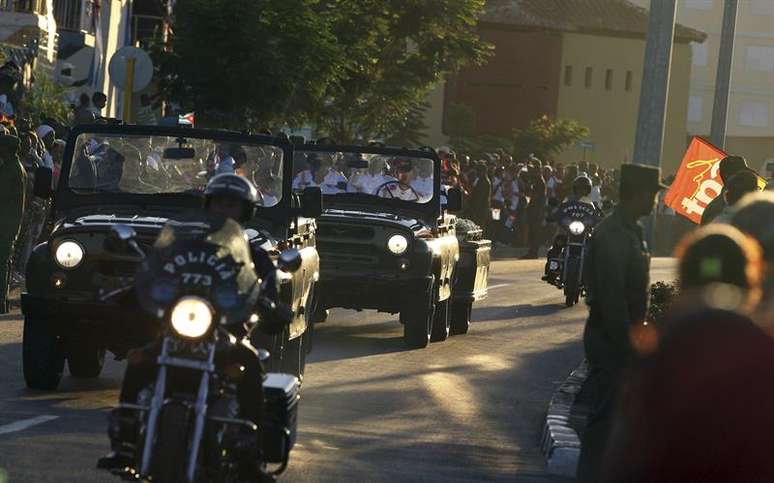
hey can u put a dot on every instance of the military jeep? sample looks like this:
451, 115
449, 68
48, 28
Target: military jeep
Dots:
79, 301
388, 242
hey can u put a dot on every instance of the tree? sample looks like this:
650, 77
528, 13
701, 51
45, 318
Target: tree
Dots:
46, 100
545, 137
244, 64
410, 130
396, 51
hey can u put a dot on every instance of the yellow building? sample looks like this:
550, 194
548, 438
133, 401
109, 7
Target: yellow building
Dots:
573, 59
750, 127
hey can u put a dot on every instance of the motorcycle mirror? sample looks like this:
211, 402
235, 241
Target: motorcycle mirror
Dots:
289, 260
121, 238
122, 233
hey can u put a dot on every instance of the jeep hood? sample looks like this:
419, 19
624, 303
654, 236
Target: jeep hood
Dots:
375, 217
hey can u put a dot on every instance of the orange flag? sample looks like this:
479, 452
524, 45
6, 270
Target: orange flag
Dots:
698, 180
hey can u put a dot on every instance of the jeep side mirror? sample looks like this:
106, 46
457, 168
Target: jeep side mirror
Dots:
454, 200
311, 202
43, 182
289, 260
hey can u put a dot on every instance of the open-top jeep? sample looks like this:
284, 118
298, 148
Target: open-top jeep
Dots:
388, 241
78, 301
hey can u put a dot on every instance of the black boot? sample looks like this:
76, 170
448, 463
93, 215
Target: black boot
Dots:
122, 430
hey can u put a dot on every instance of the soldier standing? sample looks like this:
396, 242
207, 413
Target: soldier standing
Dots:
617, 282
12, 185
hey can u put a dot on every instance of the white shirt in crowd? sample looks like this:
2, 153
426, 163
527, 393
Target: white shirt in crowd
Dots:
329, 185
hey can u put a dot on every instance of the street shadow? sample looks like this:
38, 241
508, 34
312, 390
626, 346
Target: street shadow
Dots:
354, 341
485, 314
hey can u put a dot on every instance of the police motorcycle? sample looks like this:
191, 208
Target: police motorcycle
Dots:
576, 219
189, 422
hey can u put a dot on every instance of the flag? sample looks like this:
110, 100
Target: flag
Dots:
698, 180
189, 118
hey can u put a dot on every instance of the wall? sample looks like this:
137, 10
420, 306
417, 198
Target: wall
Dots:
609, 109
518, 84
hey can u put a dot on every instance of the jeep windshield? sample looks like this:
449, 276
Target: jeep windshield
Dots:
378, 176
156, 164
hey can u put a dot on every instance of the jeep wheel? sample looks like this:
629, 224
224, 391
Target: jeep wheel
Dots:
85, 361
417, 321
42, 358
460, 317
441, 322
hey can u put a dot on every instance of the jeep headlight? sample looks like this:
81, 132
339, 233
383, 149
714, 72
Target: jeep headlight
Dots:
191, 317
69, 254
577, 228
397, 244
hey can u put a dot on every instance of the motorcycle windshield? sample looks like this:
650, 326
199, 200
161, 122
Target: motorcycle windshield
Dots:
205, 257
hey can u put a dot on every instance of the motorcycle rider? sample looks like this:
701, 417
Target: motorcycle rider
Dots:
228, 196
581, 191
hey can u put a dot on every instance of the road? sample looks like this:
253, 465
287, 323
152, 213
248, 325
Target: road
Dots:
468, 409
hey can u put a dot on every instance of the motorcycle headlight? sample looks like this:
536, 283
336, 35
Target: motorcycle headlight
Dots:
191, 317
577, 227
397, 244
69, 254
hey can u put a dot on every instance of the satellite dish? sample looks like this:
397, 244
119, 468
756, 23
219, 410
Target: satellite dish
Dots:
143, 68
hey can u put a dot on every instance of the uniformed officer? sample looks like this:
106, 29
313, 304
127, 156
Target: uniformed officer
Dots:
13, 182
617, 284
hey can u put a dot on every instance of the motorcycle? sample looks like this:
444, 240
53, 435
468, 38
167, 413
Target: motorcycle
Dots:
186, 424
565, 264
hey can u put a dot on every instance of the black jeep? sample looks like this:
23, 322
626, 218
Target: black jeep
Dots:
78, 302
388, 241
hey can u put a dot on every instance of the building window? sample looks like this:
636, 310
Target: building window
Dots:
568, 75
699, 53
759, 58
609, 80
761, 7
695, 108
587, 82
699, 4
754, 114
629, 79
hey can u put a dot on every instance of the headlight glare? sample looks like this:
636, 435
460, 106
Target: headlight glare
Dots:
577, 227
69, 254
397, 244
191, 317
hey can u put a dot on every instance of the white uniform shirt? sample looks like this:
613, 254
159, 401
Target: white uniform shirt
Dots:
329, 184
396, 191
367, 183
424, 187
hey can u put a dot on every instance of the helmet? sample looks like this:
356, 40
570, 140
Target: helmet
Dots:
581, 186
233, 186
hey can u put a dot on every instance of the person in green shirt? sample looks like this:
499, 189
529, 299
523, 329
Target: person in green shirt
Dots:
617, 278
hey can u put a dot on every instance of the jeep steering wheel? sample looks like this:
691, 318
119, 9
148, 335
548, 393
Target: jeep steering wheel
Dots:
392, 196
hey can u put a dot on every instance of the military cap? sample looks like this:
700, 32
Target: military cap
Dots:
639, 177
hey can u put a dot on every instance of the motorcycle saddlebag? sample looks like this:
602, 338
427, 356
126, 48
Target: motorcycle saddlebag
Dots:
280, 415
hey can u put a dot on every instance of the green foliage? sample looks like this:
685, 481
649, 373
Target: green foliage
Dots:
395, 51
661, 296
545, 137
46, 100
249, 63
410, 130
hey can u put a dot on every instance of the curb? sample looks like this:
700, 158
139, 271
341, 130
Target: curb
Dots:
561, 444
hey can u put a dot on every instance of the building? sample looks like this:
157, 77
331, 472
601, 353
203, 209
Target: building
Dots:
572, 59
750, 128
28, 35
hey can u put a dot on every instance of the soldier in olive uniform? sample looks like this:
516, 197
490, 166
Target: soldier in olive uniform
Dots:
617, 284
12, 185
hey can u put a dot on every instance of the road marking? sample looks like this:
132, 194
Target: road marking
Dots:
500, 285
25, 423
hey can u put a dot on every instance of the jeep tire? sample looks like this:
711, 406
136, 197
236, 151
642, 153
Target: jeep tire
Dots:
460, 317
85, 360
417, 320
42, 356
441, 321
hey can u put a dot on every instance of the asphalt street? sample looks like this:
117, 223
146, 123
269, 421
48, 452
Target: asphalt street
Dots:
468, 409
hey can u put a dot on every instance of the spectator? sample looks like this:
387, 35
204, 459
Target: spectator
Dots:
755, 216
666, 426
740, 184
83, 113
536, 212
13, 186
47, 136
145, 114
729, 166
480, 212
99, 102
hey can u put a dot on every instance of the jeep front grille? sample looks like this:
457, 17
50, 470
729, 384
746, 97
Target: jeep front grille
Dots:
354, 232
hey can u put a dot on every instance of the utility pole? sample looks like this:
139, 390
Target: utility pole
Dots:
648, 142
723, 79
